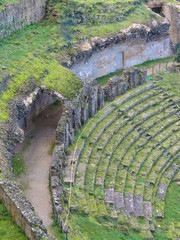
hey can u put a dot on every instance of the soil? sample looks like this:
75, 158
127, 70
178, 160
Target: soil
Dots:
35, 150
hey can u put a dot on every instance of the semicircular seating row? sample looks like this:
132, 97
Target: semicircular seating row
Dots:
126, 158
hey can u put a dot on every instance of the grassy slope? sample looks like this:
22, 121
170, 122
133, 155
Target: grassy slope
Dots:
171, 223
8, 229
171, 81
45, 72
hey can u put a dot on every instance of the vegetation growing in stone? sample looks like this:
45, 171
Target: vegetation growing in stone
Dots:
132, 154
127, 164
44, 72
8, 229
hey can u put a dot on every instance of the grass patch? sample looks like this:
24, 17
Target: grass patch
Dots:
154, 62
8, 228
140, 15
18, 165
172, 82
87, 228
170, 224
50, 38
44, 72
50, 152
103, 80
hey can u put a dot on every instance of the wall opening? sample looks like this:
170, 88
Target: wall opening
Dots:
158, 9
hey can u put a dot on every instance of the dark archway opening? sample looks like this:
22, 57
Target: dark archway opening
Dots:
158, 9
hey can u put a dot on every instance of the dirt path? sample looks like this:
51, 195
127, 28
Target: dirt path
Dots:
37, 160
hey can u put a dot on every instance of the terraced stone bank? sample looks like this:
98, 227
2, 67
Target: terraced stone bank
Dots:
124, 161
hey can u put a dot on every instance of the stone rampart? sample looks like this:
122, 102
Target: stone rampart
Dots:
14, 16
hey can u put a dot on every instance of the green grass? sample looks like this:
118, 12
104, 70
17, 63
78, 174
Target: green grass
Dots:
140, 15
50, 152
172, 82
28, 53
26, 41
145, 65
104, 79
170, 223
48, 37
8, 229
154, 62
18, 165
87, 228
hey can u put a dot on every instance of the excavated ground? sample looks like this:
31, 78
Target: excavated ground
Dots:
35, 150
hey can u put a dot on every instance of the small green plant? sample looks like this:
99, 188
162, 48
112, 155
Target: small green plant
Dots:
18, 165
50, 152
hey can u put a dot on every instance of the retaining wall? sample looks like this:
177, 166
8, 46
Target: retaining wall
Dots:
14, 16
131, 46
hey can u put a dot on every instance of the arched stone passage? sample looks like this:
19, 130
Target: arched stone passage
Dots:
39, 121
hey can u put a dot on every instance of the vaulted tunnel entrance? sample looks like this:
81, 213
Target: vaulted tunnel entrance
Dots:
36, 152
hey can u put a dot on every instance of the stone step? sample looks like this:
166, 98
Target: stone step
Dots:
145, 231
147, 209
119, 200
129, 204
151, 159
138, 205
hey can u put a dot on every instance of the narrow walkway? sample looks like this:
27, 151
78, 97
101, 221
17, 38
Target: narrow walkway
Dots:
37, 159
158, 68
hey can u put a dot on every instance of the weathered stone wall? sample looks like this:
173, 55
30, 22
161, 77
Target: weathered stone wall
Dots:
22, 211
132, 46
118, 85
172, 13
16, 15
